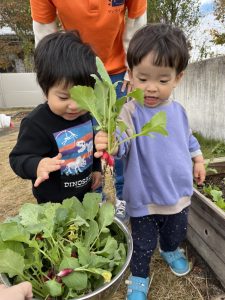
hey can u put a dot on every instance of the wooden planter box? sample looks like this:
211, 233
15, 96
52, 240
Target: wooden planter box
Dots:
206, 229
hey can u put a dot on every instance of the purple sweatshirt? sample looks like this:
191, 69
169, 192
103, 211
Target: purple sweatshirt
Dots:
158, 175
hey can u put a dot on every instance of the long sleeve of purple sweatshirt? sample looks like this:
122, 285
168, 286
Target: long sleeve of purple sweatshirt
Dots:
158, 176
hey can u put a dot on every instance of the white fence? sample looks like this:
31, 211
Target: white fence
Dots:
201, 91
19, 90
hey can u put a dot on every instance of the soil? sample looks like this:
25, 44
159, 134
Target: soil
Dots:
199, 284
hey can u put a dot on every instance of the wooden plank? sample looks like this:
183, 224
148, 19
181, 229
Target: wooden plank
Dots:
205, 207
218, 161
215, 262
205, 229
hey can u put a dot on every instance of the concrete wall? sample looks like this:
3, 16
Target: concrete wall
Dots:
202, 93
19, 90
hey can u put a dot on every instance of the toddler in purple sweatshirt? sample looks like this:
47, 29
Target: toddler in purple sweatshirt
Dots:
158, 172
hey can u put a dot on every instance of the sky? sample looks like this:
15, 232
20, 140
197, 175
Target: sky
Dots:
202, 37
206, 1
206, 6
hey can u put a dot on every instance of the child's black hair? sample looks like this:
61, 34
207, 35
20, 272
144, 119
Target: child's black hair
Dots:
168, 43
62, 57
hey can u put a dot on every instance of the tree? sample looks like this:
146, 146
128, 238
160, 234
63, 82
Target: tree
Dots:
219, 10
10, 50
16, 15
182, 13
219, 38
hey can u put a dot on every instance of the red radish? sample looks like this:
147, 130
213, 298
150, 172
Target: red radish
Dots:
105, 155
74, 254
65, 272
108, 186
111, 161
108, 158
39, 237
58, 279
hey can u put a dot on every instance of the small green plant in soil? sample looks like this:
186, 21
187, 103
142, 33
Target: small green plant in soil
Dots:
216, 194
65, 250
214, 186
214, 189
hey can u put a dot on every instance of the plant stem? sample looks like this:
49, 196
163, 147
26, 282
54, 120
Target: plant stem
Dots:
46, 255
38, 278
35, 284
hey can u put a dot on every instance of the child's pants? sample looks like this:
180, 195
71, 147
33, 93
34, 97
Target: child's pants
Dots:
169, 229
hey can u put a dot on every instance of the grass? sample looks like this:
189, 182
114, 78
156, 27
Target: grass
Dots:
211, 148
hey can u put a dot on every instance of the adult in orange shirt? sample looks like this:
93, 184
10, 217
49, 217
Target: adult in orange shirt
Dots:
107, 25
101, 23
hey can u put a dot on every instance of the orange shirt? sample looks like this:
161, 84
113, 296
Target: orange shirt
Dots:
99, 22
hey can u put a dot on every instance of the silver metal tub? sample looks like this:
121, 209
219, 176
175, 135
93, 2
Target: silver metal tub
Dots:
107, 290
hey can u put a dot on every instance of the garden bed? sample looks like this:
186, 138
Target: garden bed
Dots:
206, 231
215, 182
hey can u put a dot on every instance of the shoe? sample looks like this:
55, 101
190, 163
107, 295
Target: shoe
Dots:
121, 211
137, 288
177, 261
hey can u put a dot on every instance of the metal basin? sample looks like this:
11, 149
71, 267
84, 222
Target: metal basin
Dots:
107, 290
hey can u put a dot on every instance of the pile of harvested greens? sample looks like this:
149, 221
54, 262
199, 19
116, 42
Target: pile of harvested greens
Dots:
65, 250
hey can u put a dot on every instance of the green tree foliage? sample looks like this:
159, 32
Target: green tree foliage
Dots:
182, 13
219, 10
16, 15
9, 50
219, 38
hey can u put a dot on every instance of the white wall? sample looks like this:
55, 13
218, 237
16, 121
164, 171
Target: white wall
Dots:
202, 93
19, 90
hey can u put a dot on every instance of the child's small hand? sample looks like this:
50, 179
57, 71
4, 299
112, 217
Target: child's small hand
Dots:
96, 180
199, 172
101, 143
46, 166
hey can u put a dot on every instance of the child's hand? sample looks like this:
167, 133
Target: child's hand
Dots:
46, 166
101, 143
199, 172
96, 180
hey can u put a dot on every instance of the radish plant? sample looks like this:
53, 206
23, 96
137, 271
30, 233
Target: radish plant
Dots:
103, 105
215, 193
65, 250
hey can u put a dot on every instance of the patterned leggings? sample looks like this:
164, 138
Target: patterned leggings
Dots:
170, 229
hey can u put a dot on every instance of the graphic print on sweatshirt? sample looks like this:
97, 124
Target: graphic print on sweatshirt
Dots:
76, 146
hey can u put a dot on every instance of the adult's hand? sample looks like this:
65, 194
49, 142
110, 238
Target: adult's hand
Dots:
126, 86
21, 291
